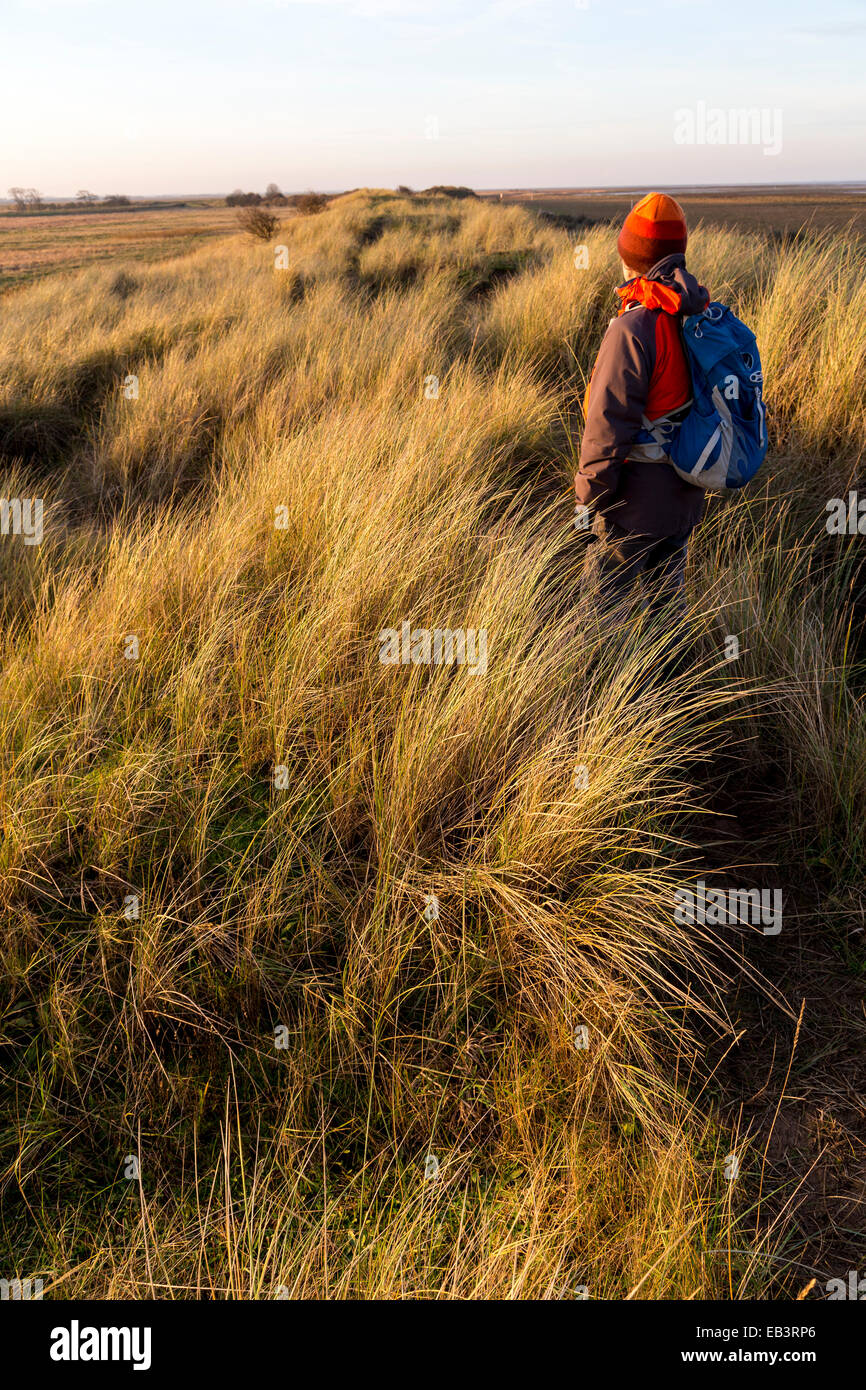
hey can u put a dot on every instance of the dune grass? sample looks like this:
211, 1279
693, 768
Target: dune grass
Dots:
314, 938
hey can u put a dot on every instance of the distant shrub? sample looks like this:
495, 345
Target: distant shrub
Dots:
450, 190
309, 203
403, 188
116, 200
257, 223
239, 199
123, 285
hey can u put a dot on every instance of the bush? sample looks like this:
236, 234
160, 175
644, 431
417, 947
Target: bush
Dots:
123, 285
450, 190
257, 223
309, 203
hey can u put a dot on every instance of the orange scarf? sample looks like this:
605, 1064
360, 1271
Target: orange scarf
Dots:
650, 293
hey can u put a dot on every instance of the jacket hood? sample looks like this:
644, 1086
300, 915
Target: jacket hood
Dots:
668, 286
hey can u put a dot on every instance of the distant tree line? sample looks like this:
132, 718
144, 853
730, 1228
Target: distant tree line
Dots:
31, 200
274, 197
111, 200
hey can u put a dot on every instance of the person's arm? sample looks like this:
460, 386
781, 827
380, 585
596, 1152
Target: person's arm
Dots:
615, 406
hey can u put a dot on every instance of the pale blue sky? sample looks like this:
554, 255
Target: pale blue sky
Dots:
187, 96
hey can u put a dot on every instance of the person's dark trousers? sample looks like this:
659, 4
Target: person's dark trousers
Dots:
654, 565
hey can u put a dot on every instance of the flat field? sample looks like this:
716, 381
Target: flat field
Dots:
35, 245
770, 209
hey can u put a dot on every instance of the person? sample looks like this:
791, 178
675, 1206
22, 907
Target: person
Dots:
643, 513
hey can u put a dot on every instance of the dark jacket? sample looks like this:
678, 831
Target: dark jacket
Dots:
641, 375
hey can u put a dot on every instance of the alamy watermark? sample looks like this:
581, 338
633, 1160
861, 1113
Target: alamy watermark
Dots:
19, 1290
846, 516
718, 907
734, 125
77, 1343
438, 646
852, 1288
22, 516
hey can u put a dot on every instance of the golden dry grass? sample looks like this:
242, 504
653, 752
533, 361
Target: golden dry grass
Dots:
281, 805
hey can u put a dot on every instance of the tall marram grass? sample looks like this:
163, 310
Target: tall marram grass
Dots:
218, 858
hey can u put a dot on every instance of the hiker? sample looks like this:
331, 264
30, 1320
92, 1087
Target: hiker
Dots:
644, 511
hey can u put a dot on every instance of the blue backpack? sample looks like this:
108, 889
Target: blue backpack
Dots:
721, 440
